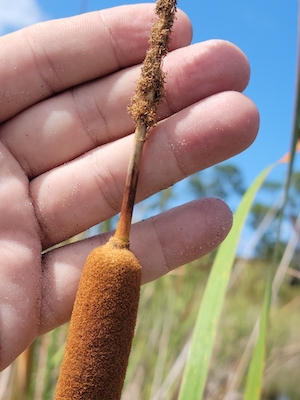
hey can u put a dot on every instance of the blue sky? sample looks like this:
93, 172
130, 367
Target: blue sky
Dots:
266, 31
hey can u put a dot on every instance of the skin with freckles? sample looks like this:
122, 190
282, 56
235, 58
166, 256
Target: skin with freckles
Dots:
65, 139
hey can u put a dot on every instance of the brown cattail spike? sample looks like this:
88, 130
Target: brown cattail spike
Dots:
102, 326
149, 91
105, 309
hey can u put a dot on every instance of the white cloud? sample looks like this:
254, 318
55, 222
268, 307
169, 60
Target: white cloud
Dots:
16, 14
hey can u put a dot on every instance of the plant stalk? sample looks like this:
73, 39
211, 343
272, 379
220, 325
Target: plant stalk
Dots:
148, 94
124, 223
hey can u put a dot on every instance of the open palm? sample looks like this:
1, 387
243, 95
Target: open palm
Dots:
65, 138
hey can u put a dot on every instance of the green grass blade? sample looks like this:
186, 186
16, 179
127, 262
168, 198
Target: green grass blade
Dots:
255, 374
295, 144
296, 122
254, 380
197, 366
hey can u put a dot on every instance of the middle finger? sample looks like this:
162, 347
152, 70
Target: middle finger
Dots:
64, 127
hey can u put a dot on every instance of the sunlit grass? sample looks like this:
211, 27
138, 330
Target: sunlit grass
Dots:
167, 314
166, 323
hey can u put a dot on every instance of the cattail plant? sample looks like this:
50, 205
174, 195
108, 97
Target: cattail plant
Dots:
105, 310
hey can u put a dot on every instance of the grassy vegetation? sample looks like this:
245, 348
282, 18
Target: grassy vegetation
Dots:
166, 321
167, 314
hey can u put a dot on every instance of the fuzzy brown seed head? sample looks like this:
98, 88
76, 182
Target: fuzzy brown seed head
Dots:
102, 325
150, 86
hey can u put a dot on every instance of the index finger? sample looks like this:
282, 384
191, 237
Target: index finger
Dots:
49, 57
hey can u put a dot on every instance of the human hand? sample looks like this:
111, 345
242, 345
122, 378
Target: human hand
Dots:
65, 139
